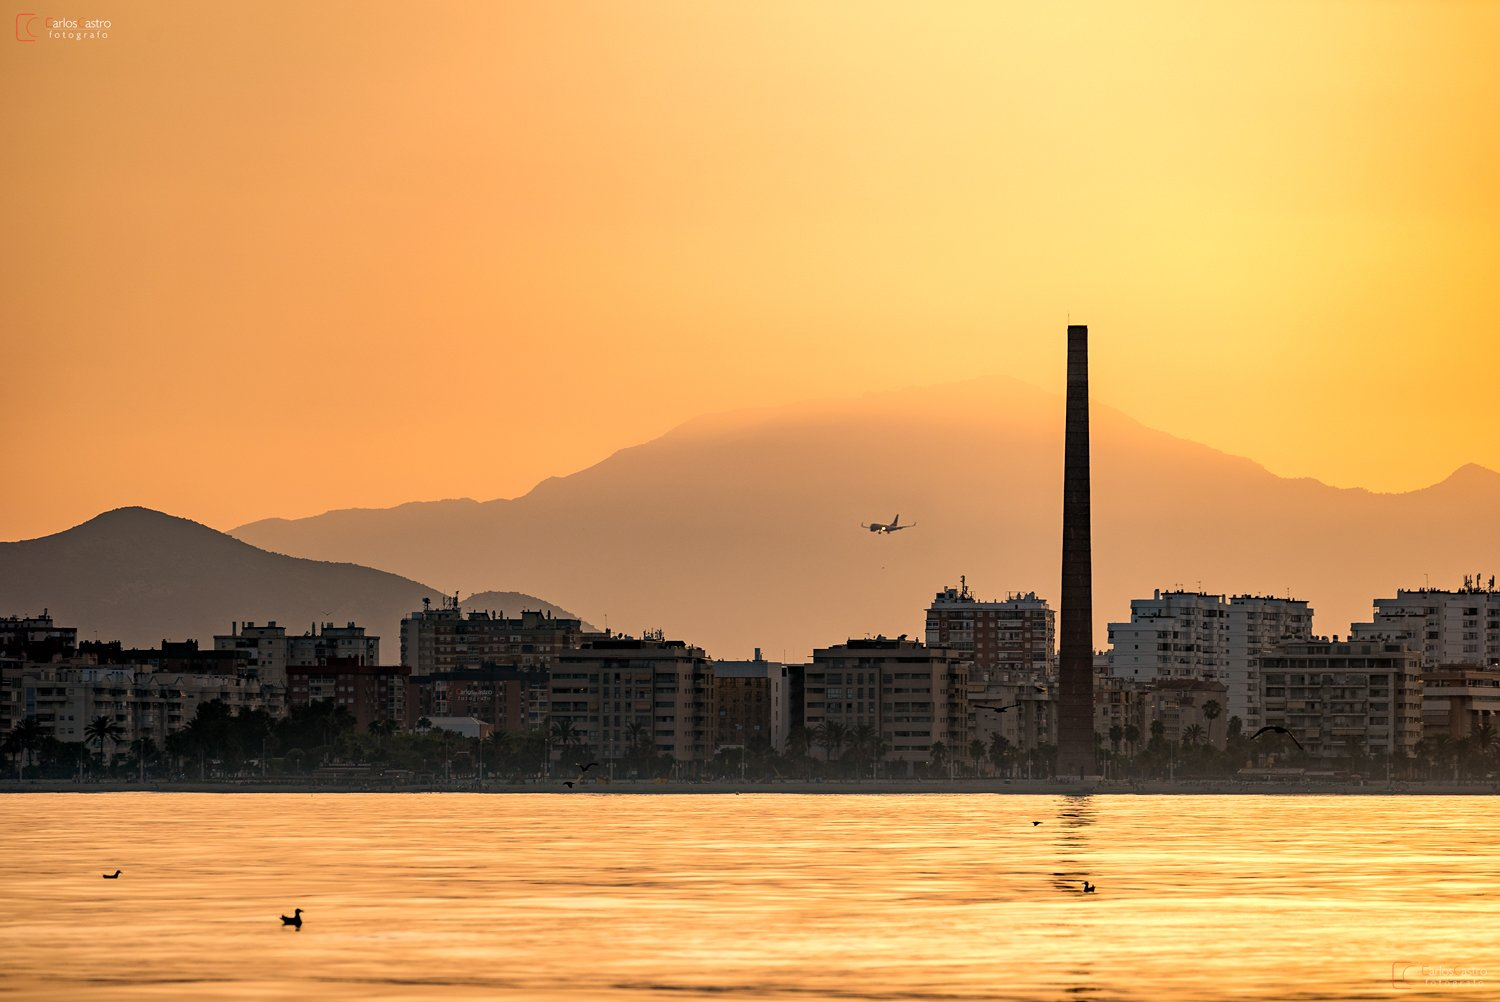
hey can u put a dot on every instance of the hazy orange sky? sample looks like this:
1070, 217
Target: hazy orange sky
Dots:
269, 259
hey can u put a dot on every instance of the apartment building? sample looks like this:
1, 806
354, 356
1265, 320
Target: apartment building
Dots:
1018, 633
66, 698
1460, 627
619, 691
1458, 700
448, 638
751, 701
508, 699
370, 693
271, 651
914, 696
1257, 624
1173, 634
1339, 698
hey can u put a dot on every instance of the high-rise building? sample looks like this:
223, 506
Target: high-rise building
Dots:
617, 692
36, 638
509, 699
271, 651
371, 693
1341, 699
447, 638
911, 695
1016, 634
1257, 625
1207, 638
751, 700
1172, 634
1075, 708
1459, 627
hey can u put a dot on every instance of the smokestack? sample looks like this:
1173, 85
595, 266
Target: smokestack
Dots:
1075, 709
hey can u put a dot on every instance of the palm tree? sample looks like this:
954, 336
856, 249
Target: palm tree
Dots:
999, 750
862, 741
832, 735
102, 729
976, 753
1116, 732
1211, 712
1192, 734
1158, 732
939, 753
25, 737
1132, 736
562, 732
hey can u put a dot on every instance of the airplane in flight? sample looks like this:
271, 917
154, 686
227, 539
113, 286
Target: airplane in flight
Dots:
894, 525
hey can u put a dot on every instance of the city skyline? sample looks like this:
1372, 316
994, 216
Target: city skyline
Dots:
239, 237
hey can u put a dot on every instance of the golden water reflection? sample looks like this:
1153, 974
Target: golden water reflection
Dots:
540, 896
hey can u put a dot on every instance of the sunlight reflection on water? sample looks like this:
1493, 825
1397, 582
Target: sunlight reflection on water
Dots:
771, 896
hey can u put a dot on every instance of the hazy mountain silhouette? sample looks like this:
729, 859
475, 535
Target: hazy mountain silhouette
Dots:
743, 530
138, 575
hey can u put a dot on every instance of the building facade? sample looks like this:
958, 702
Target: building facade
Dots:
370, 693
912, 695
752, 701
1343, 698
619, 692
270, 651
1458, 700
1016, 634
448, 638
1257, 625
1173, 634
1459, 627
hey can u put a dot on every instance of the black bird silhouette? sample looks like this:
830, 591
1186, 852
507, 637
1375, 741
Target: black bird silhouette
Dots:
1278, 729
1088, 888
568, 783
997, 709
295, 921
111, 876
584, 768
1035, 823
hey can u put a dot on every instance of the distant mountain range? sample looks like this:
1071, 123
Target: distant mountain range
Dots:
140, 576
743, 530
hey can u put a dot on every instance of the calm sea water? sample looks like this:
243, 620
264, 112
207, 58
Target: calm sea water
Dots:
771, 896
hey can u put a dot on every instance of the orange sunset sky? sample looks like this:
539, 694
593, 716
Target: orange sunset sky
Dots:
269, 259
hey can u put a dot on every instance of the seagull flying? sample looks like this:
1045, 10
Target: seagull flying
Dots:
1279, 730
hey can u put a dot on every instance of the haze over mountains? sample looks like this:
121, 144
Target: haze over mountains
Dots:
742, 530
140, 576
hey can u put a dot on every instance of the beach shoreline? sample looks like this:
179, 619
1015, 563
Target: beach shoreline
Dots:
725, 787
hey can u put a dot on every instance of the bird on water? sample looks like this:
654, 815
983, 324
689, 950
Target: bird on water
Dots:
111, 876
1088, 888
1278, 729
295, 921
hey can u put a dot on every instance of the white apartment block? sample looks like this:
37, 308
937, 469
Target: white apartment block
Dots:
1257, 624
271, 651
65, 699
1173, 634
1459, 627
